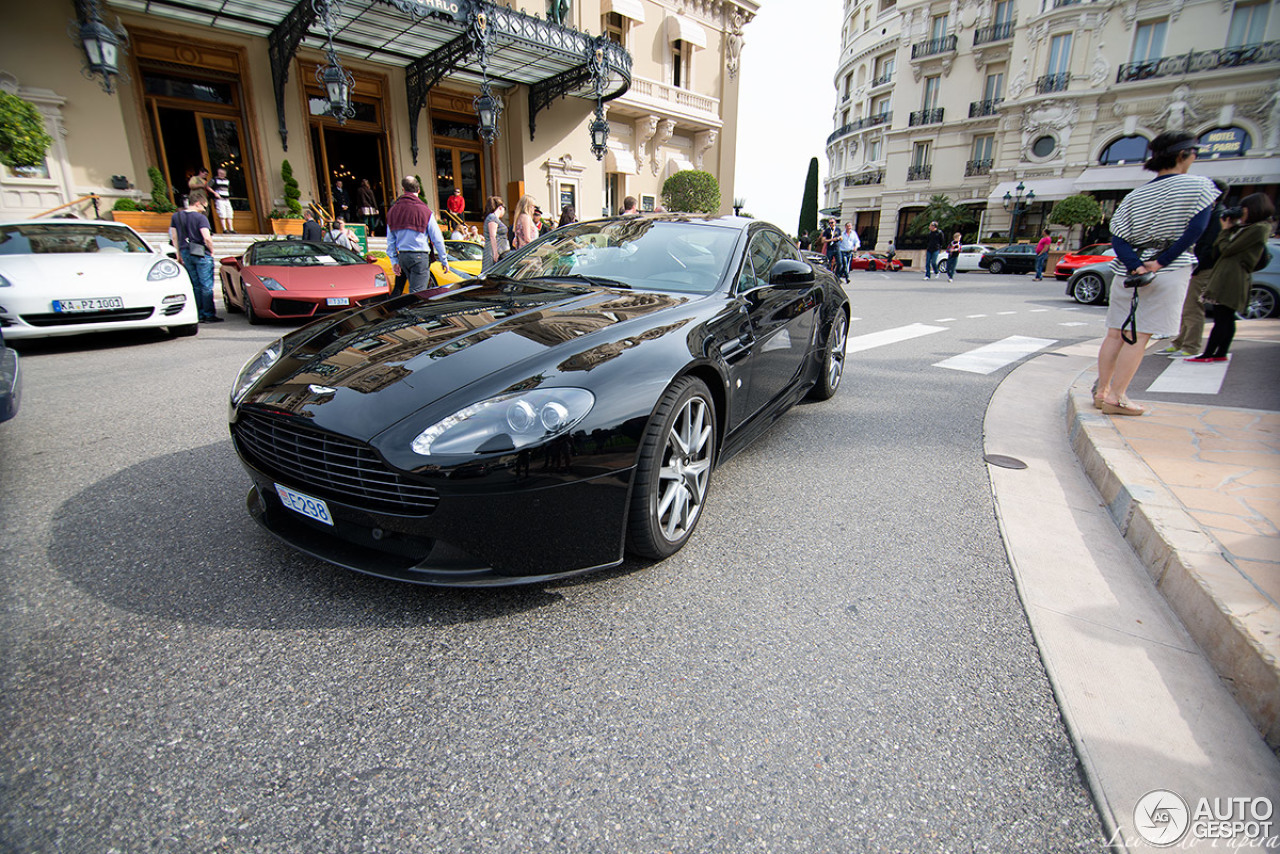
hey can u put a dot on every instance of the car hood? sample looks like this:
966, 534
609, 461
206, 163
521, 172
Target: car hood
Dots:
366, 369
90, 268
320, 275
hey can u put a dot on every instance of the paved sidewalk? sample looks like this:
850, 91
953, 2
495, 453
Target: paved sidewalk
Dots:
1196, 491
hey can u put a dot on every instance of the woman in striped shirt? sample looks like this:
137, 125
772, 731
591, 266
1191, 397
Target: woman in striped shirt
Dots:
1152, 231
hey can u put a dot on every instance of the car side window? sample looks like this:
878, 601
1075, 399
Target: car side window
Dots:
758, 261
788, 250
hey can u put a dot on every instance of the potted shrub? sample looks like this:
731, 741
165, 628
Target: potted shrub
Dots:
151, 216
288, 221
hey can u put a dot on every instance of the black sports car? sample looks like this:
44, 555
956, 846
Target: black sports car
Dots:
538, 421
1015, 258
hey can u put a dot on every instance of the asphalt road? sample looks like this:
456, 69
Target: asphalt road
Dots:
838, 661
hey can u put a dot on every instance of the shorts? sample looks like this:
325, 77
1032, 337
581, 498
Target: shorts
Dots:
222, 208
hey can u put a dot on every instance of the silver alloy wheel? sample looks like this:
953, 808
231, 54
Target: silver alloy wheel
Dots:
835, 353
1087, 289
686, 467
1262, 303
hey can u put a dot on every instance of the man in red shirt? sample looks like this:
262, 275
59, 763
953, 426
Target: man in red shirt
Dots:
456, 204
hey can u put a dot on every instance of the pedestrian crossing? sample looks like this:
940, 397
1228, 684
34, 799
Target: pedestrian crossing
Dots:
1179, 377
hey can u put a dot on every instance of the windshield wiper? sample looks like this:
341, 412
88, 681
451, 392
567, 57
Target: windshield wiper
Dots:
591, 280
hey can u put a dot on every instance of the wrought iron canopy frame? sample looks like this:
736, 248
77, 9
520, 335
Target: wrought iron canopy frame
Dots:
422, 36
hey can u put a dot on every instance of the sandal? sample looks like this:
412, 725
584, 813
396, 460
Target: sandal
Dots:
1097, 396
1121, 407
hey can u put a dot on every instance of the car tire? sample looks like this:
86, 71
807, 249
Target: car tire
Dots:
1088, 289
1262, 303
871, 266
185, 331
249, 314
832, 359
997, 266
673, 476
226, 297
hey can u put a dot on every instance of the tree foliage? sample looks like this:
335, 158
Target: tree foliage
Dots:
1082, 209
809, 204
950, 217
23, 139
691, 191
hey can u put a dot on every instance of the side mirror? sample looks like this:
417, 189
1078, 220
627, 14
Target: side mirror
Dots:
791, 274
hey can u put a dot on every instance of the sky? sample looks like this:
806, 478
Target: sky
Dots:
786, 100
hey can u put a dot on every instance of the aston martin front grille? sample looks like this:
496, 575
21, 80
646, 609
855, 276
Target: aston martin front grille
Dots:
331, 466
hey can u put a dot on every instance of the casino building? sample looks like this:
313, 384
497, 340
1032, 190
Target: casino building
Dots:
990, 101
596, 99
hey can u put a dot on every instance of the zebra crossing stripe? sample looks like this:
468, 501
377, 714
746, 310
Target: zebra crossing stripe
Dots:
996, 355
890, 336
1191, 378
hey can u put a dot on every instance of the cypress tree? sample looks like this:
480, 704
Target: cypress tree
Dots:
809, 207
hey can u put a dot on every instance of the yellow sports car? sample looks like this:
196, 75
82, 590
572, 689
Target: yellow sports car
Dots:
465, 259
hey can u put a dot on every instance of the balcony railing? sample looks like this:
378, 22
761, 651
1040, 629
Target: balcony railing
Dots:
862, 180
1200, 60
932, 47
919, 173
869, 121
653, 91
887, 77
925, 117
989, 107
1052, 83
993, 33
978, 167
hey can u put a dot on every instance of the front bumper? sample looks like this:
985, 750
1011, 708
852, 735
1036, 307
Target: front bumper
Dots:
471, 538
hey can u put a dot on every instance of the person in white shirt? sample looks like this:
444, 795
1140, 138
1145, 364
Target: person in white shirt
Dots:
849, 244
220, 189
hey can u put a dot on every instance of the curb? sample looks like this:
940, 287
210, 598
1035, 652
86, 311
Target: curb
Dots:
1220, 609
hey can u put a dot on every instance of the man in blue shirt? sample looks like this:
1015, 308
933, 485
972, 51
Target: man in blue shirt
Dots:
412, 231
189, 234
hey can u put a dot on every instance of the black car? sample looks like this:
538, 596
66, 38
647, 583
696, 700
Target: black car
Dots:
536, 422
1016, 258
10, 381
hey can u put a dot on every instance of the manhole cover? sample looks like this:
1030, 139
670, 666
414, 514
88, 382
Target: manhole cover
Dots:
1004, 462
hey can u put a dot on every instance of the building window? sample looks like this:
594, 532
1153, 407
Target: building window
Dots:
1004, 13
983, 147
1044, 146
615, 29
932, 85
994, 88
886, 5
1060, 54
1148, 41
920, 154
1126, 149
938, 28
681, 64
881, 105
873, 150
1248, 24
884, 68
1225, 142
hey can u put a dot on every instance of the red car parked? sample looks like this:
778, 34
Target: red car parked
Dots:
1094, 254
874, 261
297, 279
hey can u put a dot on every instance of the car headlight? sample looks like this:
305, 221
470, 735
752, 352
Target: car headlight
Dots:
254, 369
163, 269
271, 284
380, 279
506, 423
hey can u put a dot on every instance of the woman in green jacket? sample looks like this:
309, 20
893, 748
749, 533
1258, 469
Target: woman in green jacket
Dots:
1239, 247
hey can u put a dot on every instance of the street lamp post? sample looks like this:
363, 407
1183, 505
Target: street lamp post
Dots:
1017, 207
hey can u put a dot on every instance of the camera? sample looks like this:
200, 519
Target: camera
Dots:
1236, 212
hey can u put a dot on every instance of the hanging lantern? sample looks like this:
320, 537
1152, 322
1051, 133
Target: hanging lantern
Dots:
101, 44
488, 109
338, 83
599, 134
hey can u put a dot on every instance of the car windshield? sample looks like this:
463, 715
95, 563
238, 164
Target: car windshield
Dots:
1096, 249
648, 254
68, 239
295, 253
463, 250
